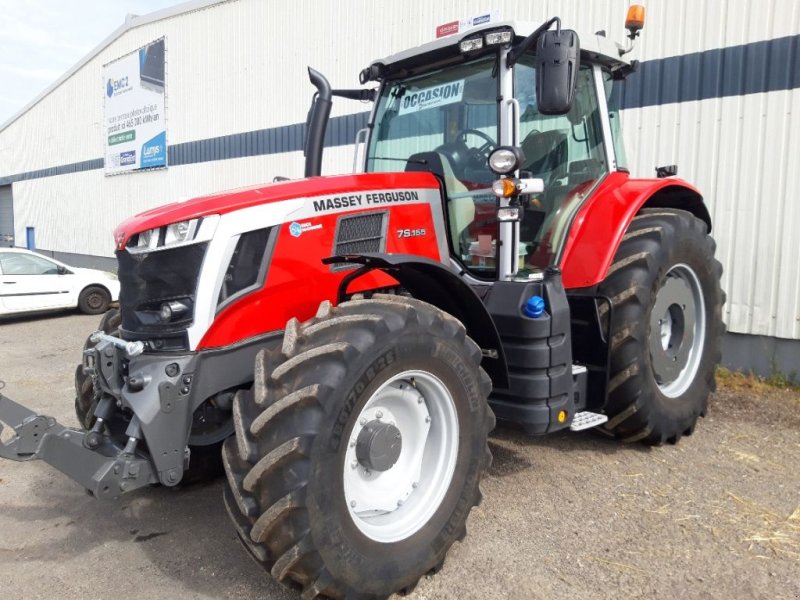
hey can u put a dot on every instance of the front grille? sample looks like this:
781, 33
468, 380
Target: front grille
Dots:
148, 279
358, 234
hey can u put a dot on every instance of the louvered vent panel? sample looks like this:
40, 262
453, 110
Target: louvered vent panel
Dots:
360, 233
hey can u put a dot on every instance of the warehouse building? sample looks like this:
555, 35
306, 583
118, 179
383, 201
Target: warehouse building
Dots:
222, 94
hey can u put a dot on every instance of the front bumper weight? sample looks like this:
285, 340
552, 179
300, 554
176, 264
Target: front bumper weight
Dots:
106, 471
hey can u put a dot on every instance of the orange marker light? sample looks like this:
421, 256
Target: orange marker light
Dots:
505, 188
562, 416
635, 19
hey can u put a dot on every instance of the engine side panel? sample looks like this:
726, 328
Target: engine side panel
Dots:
601, 223
297, 281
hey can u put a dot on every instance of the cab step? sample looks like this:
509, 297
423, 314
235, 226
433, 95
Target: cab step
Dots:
587, 420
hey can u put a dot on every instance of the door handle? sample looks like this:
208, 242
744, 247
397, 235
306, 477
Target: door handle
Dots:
9, 282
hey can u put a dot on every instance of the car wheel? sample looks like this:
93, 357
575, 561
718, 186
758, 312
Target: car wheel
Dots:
94, 300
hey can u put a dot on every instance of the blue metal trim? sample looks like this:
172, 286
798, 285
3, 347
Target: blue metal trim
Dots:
768, 66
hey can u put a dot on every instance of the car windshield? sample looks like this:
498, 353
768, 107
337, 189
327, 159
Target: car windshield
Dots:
452, 112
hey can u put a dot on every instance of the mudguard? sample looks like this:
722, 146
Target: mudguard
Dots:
435, 284
599, 226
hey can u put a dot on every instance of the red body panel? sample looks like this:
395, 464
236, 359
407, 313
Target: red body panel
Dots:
226, 202
297, 281
600, 224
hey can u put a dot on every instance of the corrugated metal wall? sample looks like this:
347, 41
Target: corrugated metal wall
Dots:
239, 66
742, 151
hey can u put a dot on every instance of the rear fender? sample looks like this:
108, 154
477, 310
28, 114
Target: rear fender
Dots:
435, 284
599, 226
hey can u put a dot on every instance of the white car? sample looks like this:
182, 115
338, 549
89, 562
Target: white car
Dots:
30, 282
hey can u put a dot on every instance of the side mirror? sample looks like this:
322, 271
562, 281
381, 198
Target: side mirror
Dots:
61, 270
557, 62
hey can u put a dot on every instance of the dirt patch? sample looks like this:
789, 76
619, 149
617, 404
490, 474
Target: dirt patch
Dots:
564, 516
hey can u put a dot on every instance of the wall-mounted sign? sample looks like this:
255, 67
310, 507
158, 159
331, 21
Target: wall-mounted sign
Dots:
135, 120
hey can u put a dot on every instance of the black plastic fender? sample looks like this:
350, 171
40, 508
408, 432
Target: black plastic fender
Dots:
435, 284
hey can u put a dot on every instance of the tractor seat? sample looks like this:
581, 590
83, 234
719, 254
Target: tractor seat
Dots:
545, 154
460, 211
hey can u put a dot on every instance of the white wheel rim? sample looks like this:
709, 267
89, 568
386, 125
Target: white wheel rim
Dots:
394, 504
677, 331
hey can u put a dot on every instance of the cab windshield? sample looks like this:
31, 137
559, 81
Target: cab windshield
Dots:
452, 112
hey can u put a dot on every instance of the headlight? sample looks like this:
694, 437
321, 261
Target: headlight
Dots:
181, 233
505, 159
147, 238
498, 37
468, 45
172, 309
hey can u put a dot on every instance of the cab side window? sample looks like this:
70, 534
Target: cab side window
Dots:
566, 151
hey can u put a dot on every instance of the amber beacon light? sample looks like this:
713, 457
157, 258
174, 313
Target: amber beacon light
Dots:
634, 21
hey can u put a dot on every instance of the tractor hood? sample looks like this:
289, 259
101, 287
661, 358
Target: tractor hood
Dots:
235, 200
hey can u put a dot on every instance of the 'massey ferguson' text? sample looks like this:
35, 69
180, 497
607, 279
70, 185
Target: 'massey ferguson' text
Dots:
359, 200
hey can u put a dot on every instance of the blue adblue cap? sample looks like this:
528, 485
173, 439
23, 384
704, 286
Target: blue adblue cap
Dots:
534, 307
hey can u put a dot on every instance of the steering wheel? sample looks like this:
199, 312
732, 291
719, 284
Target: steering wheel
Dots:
466, 161
482, 151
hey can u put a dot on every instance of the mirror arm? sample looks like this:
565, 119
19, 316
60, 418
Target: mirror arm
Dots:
631, 44
530, 41
367, 95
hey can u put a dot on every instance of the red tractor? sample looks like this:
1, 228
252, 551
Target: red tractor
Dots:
348, 341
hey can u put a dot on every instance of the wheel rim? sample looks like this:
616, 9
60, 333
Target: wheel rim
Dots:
94, 300
677, 331
393, 503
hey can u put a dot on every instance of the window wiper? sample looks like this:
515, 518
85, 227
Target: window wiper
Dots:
417, 161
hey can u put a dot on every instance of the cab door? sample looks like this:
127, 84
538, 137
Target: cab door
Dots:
29, 282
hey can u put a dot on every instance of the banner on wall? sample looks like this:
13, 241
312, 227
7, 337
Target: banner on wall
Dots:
135, 120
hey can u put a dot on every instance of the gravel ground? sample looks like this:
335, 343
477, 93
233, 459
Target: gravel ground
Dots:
565, 516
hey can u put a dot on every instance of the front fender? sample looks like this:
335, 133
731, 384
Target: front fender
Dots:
600, 224
435, 284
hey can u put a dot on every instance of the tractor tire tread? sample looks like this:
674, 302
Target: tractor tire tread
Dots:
290, 393
629, 284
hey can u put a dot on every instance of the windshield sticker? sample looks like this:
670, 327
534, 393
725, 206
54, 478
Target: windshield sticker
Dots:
440, 95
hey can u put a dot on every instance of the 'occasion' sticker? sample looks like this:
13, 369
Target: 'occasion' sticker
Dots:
439, 95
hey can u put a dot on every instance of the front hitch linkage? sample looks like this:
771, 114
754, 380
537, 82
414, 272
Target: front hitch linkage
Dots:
106, 470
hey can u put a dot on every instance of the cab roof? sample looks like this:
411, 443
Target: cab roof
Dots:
441, 51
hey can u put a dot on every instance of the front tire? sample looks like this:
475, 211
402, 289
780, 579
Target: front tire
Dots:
666, 325
327, 483
85, 400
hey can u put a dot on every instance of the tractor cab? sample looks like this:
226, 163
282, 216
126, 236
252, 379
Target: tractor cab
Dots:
447, 105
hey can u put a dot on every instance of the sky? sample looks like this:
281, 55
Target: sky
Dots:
41, 39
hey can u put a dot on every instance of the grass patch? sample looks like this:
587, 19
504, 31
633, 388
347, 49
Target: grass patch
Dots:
737, 380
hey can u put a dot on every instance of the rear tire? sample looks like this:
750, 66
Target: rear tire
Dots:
205, 463
294, 460
94, 300
665, 327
